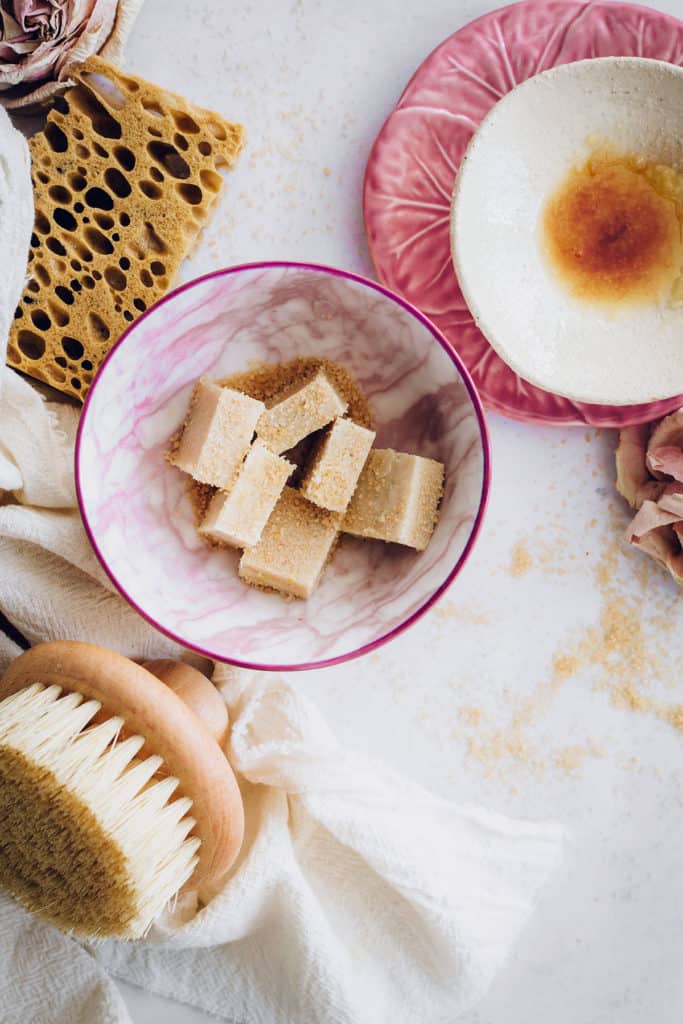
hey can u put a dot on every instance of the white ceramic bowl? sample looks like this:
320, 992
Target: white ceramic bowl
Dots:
139, 517
516, 160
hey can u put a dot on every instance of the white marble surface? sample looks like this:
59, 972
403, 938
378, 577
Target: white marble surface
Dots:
313, 82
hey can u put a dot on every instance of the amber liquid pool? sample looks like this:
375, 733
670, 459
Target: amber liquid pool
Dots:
613, 231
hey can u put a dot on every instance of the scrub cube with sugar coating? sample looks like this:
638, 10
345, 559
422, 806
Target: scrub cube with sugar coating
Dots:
217, 433
397, 499
238, 516
295, 544
304, 408
331, 478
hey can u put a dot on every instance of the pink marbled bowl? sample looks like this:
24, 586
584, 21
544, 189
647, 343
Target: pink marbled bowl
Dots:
134, 504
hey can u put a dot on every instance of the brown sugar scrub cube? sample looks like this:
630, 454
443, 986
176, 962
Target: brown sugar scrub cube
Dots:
397, 499
331, 478
217, 434
294, 547
237, 517
304, 408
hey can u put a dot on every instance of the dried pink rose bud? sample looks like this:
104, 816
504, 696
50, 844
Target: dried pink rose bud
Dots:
40, 40
650, 477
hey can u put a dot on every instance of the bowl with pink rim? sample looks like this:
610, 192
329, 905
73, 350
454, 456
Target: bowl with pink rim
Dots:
136, 509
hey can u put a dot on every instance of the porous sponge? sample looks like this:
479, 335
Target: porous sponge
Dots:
125, 175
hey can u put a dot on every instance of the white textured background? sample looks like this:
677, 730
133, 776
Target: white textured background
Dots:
473, 701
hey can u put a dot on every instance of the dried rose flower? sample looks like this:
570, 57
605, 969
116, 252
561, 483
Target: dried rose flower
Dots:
40, 40
650, 477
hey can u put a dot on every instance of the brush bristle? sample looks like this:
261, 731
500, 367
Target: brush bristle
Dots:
90, 837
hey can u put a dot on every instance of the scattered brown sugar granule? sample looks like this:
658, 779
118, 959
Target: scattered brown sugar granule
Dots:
462, 613
200, 497
470, 715
624, 659
570, 759
521, 561
565, 666
674, 716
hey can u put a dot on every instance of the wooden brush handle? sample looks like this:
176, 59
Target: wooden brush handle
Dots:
195, 690
170, 729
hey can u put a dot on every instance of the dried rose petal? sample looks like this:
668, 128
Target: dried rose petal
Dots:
666, 461
649, 517
41, 40
667, 434
632, 471
643, 454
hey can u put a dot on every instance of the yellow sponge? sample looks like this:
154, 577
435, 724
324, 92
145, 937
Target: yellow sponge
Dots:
124, 176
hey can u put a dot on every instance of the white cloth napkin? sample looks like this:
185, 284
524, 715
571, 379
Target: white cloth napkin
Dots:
358, 897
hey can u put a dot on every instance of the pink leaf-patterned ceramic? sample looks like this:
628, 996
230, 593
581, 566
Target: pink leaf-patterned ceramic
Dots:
135, 506
414, 161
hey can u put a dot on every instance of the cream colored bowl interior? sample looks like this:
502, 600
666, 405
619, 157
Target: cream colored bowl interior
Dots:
521, 153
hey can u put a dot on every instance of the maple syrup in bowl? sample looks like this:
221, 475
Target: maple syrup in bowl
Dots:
567, 230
